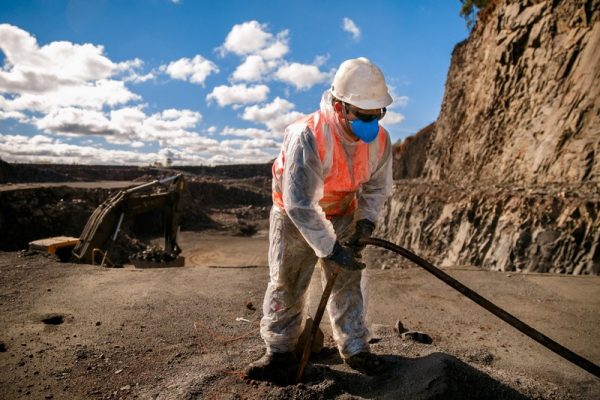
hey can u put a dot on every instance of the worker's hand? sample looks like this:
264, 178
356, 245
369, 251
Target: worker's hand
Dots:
363, 230
344, 257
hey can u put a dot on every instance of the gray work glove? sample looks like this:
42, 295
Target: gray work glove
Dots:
363, 230
344, 257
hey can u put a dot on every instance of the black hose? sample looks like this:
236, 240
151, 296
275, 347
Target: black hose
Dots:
491, 307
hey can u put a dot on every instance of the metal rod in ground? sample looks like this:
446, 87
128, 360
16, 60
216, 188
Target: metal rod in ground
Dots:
114, 237
317, 320
491, 307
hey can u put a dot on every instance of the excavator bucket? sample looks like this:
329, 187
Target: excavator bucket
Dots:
61, 246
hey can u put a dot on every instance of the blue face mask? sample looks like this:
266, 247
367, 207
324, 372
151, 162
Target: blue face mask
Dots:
365, 131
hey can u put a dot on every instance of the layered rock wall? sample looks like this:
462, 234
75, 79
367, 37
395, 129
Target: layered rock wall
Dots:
497, 227
511, 176
522, 99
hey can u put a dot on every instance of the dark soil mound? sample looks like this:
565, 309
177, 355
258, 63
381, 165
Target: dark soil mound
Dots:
15, 173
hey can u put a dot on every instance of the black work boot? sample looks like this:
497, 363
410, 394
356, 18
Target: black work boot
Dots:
367, 363
279, 368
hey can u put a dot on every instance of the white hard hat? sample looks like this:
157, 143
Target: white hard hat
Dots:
359, 82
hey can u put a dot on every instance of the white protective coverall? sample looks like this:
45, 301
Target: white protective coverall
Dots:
318, 194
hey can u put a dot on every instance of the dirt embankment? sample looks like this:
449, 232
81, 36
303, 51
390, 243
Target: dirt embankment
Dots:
220, 199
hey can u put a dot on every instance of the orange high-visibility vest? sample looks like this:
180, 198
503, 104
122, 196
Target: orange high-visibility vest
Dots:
343, 173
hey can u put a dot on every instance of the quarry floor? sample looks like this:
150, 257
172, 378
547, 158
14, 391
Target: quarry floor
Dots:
187, 333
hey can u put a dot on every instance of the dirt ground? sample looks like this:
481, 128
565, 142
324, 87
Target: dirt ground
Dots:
79, 331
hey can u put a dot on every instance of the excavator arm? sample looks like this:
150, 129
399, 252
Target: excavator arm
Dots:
104, 224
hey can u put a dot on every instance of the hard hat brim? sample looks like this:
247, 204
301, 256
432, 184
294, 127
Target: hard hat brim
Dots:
366, 104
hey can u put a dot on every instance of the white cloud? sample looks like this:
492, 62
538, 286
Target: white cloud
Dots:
171, 120
392, 118
94, 95
128, 121
125, 126
277, 48
131, 71
238, 94
33, 69
41, 149
254, 133
130, 65
253, 38
19, 116
349, 26
269, 111
72, 92
72, 85
29, 68
140, 78
76, 92
400, 101
192, 149
220, 159
191, 142
225, 152
302, 76
75, 121
194, 70
320, 60
254, 68
276, 115
60, 74
251, 144
246, 38
167, 127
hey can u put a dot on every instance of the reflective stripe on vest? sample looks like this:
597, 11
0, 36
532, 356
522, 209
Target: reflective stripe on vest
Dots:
343, 173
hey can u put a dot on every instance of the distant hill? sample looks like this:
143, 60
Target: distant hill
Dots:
23, 173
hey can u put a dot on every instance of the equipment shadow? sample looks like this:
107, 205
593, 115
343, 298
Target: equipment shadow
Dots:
435, 376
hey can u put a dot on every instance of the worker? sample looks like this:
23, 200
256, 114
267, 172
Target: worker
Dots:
330, 180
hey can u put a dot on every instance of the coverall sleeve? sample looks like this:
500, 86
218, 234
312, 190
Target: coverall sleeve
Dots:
302, 190
376, 190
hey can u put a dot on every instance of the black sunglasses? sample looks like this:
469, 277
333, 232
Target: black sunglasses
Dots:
365, 117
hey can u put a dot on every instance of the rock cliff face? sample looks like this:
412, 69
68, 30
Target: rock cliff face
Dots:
411, 154
511, 174
522, 98
550, 229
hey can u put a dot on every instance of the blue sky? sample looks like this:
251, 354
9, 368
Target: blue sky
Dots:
203, 82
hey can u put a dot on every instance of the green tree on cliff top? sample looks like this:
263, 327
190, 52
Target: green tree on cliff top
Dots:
470, 8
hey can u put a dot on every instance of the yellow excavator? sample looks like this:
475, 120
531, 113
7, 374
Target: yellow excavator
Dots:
103, 226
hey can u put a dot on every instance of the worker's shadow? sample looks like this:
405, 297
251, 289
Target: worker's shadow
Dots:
437, 375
